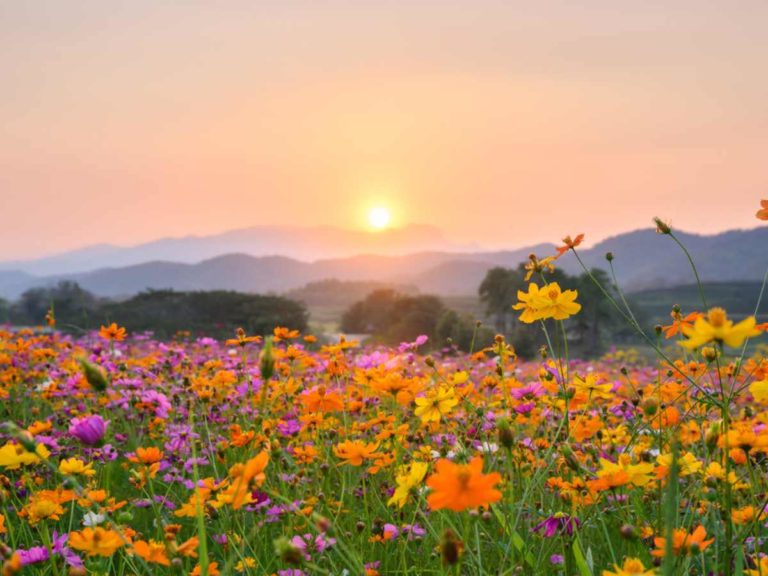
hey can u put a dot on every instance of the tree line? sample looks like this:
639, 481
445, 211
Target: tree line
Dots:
216, 313
392, 317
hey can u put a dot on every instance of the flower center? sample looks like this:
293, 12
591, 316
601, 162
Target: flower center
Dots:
716, 317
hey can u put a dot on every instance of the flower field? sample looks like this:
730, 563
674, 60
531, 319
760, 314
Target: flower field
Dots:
121, 454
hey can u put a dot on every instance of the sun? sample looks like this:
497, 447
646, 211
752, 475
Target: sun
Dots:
379, 217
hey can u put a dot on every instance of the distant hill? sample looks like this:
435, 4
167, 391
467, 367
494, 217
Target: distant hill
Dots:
305, 244
643, 260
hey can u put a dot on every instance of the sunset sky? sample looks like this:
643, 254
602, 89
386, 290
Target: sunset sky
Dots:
503, 123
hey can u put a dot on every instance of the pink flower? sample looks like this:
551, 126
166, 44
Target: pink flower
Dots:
89, 430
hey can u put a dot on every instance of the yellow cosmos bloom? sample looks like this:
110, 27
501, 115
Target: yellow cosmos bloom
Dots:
716, 327
687, 465
435, 404
408, 481
592, 387
74, 466
761, 569
624, 472
631, 567
550, 301
13, 456
759, 391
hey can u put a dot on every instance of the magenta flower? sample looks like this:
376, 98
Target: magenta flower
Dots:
89, 430
558, 524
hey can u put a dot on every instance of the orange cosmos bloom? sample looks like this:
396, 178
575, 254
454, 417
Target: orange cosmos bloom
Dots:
319, 399
152, 552
683, 543
461, 486
762, 214
242, 339
245, 477
355, 452
96, 541
213, 570
150, 455
112, 332
569, 244
680, 323
283, 333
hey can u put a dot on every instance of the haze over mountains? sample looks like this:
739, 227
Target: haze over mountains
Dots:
245, 260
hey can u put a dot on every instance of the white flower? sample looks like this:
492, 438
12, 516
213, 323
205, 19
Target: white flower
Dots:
93, 519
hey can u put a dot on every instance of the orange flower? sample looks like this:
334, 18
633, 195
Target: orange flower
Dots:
152, 552
762, 214
283, 333
680, 322
96, 541
213, 570
149, 455
569, 244
355, 452
189, 547
245, 477
319, 399
112, 332
683, 543
461, 486
242, 339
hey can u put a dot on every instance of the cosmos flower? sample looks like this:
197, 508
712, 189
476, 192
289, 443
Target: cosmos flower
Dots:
408, 481
113, 332
762, 214
631, 567
96, 541
435, 404
683, 543
557, 524
89, 430
546, 302
716, 327
458, 487
355, 452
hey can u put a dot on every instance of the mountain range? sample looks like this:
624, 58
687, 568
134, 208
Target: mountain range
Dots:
643, 259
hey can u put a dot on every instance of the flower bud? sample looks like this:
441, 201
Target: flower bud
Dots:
506, 436
661, 226
266, 362
451, 548
94, 375
287, 551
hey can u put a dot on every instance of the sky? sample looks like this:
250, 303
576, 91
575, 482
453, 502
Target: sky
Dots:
502, 123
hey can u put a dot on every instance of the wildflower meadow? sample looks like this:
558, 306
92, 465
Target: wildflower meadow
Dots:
285, 454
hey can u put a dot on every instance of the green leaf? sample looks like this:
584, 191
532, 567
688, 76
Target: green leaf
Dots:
581, 561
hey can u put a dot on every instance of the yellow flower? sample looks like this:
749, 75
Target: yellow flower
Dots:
407, 481
546, 302
245, 564
631, 567
435, 404
74, 466
761, 569
759, 391
624, 472
40, 507
716, 327
13, 456
590, 385
687, 465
